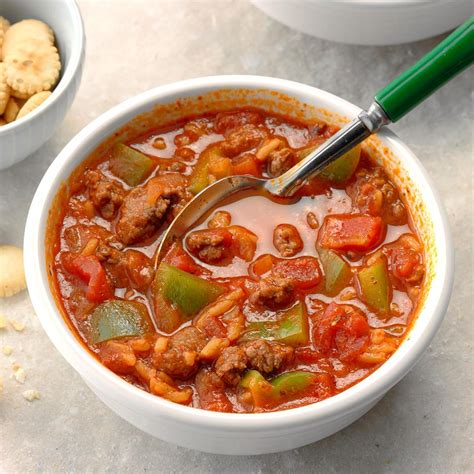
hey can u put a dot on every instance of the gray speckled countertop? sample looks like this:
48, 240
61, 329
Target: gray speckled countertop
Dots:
424, 424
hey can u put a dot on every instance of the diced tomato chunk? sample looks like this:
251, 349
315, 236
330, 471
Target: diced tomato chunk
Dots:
136, 269
351, 232
248, 164
177, 257
323, 386
262, 265
244, 242
404, 261
304, 272
305, 355
90, 270
183, 262
212, 327
353, 337
343, 328
117, 356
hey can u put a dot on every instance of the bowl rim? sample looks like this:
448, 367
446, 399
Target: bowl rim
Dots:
112, 386
73, 65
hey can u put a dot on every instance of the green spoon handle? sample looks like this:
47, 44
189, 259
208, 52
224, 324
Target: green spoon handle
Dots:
450, 57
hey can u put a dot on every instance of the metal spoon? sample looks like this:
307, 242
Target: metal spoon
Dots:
446, 60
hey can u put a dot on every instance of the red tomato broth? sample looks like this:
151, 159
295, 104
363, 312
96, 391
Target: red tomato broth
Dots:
329, 199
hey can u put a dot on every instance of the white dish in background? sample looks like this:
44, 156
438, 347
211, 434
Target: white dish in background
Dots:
231, 433
22, 137
369, 22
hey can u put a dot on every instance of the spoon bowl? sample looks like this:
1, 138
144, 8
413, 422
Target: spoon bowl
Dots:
202, 203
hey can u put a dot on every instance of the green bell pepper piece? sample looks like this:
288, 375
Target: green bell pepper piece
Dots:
130, 165
291, 328
341, 169
277, 390
199, 178
261, 390
292, 383
337, 272
251, 378
118, 318
187, 293
374, 285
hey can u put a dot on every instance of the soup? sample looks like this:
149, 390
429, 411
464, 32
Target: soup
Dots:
266, 304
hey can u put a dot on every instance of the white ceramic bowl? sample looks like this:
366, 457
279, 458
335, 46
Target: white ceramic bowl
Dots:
22, 137
369, 22
240, 433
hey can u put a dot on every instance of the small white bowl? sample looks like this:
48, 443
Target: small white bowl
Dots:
22, 137
369, 22
227, 433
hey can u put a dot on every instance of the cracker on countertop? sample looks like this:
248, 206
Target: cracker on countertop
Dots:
19, 373
3, 321
12, 276
31, 395
17, 325
7, 350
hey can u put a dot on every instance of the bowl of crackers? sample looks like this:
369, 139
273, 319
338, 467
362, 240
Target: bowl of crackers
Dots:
42, 47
